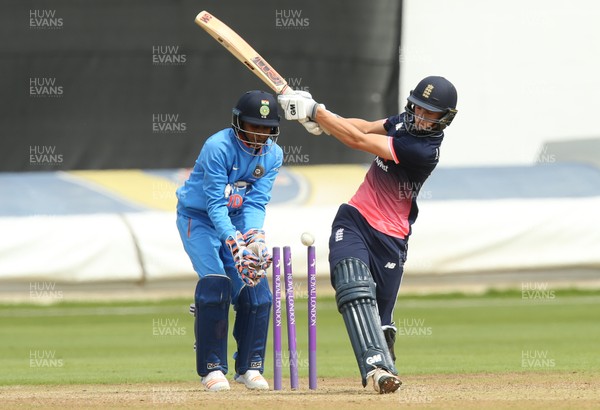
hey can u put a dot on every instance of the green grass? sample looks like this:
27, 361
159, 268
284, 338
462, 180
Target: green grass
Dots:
119, 342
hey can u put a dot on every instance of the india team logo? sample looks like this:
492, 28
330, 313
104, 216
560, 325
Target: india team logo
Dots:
264, 108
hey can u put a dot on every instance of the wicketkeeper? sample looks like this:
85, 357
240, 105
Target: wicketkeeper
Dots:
220, 215
369, 238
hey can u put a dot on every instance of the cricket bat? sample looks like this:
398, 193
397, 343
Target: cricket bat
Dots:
243, 52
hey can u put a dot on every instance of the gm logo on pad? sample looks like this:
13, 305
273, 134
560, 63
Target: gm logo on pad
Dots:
374, 359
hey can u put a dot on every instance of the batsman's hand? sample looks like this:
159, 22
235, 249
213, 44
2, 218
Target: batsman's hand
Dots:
246, 262
312, 127
298, 107
255, 240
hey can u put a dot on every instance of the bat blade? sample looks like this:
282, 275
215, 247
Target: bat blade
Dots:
237, 46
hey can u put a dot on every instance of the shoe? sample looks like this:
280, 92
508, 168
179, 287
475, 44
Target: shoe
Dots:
215, 381
384, 382
253, 380
390, 337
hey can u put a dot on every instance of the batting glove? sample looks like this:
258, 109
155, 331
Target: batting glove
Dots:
246, 262
298, 107
312, 127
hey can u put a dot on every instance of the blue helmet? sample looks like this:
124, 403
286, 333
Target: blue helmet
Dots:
435, 94
256, 108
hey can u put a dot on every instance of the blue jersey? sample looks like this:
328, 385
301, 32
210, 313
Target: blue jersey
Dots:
228, 182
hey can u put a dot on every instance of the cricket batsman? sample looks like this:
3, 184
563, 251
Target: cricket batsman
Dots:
369, 238
220, 216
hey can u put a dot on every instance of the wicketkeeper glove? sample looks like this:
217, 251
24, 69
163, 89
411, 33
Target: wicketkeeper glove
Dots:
255, 239
246, 262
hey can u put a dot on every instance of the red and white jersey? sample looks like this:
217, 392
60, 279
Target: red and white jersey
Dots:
387, 198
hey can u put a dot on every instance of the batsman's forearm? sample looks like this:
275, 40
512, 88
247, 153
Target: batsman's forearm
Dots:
359, 123
369, 127
341, 128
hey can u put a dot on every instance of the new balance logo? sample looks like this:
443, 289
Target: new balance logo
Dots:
390, 265
339, 235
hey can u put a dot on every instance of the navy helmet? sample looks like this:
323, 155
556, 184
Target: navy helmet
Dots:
256, 108
435, 94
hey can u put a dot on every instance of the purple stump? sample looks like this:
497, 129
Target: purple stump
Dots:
277, 318
291, 316
312, 318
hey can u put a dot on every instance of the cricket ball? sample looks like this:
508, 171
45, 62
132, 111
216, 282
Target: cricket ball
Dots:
307, 239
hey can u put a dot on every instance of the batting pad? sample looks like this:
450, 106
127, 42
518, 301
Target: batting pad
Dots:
252, 326
213, 295
356, 301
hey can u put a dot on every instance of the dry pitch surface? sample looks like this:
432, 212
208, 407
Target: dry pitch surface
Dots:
542, 390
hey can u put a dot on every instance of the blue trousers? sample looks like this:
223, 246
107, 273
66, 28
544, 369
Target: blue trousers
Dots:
352, 236
210, 256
